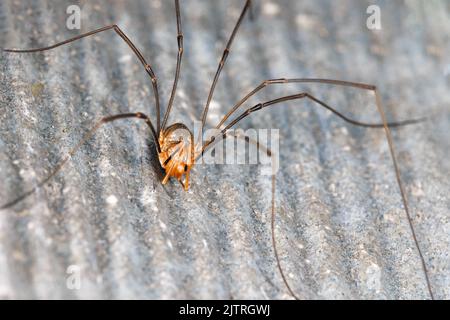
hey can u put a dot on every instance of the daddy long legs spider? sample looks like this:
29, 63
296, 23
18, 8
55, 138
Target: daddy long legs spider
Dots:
177, 157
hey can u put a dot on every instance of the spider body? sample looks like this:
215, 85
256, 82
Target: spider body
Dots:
177, 153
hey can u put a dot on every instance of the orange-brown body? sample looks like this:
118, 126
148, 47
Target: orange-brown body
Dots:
177, 153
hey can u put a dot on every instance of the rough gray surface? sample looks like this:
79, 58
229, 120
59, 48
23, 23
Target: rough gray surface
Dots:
341, 229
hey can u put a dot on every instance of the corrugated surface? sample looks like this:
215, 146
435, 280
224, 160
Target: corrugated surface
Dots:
341, 229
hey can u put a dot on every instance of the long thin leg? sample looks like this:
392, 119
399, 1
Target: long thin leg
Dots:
222, 62
136, 51
302, 95
86, 137
273, 211
177, 70
266, 83
402, 190
385, 125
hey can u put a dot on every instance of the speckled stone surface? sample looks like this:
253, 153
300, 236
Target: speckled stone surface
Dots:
341, 230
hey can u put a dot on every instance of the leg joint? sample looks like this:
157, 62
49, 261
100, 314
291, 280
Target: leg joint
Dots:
180, 40
257, 107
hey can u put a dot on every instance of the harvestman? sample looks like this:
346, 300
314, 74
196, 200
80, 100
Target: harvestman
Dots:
177, 152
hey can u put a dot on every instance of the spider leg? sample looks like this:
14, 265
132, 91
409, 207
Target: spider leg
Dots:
273, 210
223, 60
69, 155
136, 51
385, 125
302, 95
270, 82
178, 67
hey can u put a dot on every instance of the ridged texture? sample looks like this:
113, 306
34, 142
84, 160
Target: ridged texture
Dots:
341, 230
